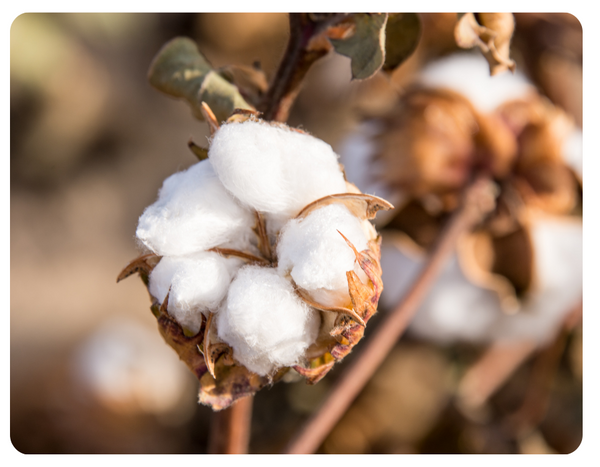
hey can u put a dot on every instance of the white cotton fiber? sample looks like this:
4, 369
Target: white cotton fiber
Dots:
194, 212
469, 75
274, 169
316, 256
198, 283
265, 322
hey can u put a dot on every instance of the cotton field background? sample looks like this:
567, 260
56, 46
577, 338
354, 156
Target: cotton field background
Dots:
90, 145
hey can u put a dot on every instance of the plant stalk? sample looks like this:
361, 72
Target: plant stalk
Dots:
230, 428
296, 62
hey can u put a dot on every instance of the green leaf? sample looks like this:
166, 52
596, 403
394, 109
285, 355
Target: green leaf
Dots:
366, 47
181, 71
402, 34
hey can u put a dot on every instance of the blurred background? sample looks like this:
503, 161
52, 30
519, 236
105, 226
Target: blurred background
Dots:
91, 142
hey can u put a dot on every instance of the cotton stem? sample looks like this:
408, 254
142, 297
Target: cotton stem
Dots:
296, 62
230, 428
477, 202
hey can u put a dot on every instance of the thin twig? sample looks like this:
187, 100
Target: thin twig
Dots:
501, 360
296, 62
537, 398
476, 203
230, 428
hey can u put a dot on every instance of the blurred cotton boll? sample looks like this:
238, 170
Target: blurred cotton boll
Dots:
469, 75
459, 309
127, 368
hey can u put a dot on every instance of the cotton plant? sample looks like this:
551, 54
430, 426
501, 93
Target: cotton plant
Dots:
518, 274
260, 259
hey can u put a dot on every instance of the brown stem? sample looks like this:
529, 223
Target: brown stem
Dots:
388, 332
230, 428
296, 62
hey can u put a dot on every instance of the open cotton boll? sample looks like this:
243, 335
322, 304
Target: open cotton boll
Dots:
198, 283
194, 212
469, 75
316, 256
273, 168
558, 263
265, 322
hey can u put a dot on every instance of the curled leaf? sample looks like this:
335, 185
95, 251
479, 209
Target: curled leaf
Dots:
492, 34
142, 265
198, 151
402, 34
366, 47
181, 71
361, 205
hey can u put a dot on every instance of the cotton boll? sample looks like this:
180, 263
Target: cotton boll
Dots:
198, 283
316, 256
558, 263
469, 75
194, 212
265, 322
273, 168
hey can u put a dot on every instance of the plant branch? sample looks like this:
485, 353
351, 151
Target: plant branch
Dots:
296, 62
230, 428
477, 202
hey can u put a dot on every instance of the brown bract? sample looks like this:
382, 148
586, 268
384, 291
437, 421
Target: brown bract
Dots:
222, 379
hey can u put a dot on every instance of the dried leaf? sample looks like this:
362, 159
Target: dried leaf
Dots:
317, 369
492, 37
185, 346
142, 265
361, 205
198, 151
232, 383
366, 47
402, 34
181, 71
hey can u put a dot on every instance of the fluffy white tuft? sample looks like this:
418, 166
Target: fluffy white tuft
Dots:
265, 322
198, 283
469, 75
274, 169
316, 256
194, 212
